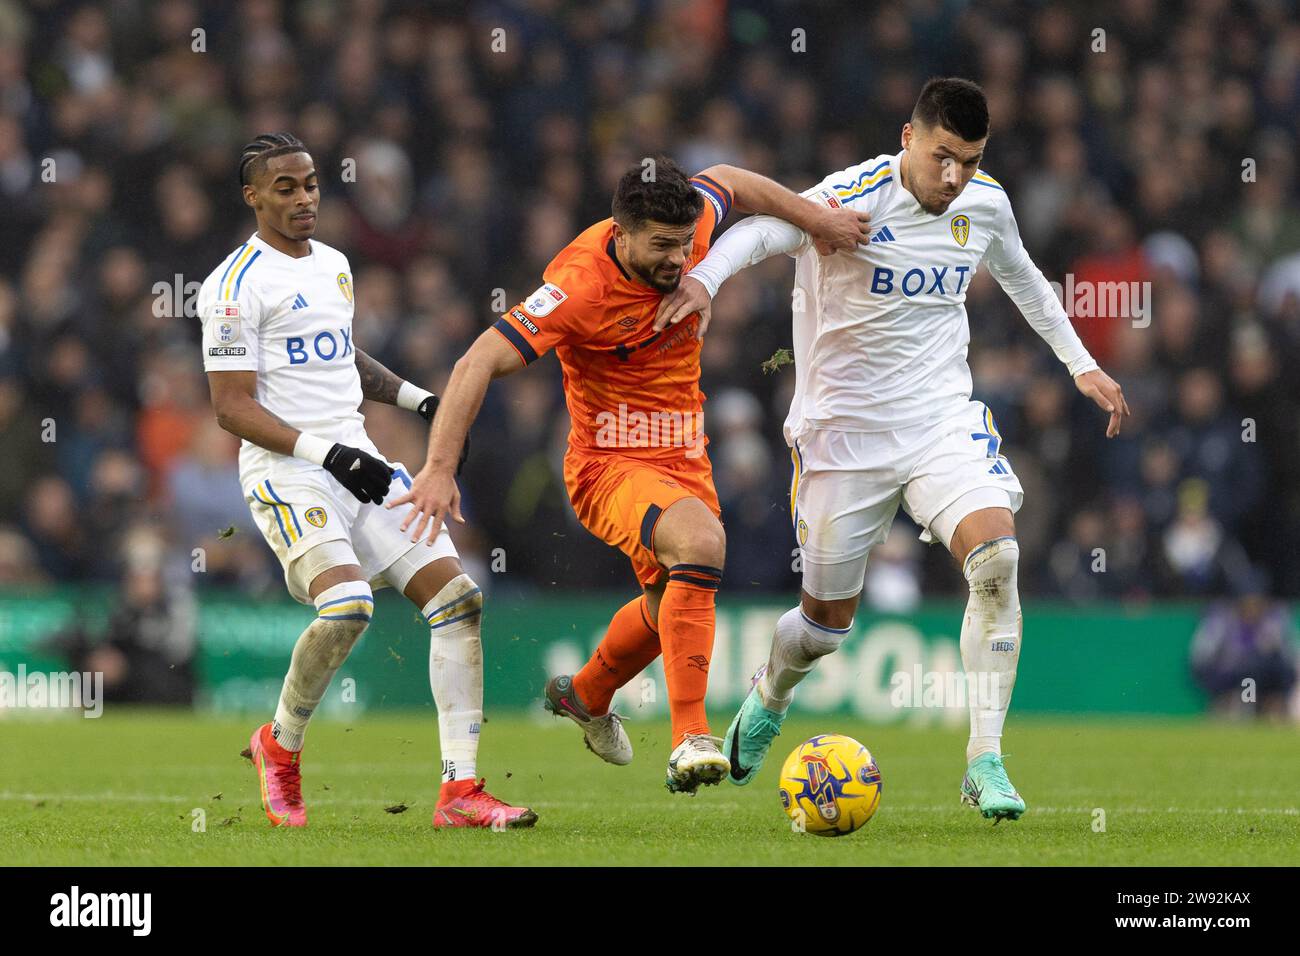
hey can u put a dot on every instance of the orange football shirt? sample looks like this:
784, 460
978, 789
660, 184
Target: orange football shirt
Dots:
628, 388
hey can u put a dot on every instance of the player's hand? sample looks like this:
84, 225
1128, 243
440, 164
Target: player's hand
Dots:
428, 408
1105, 391
689, 297
362, 474
840, 229
433, 496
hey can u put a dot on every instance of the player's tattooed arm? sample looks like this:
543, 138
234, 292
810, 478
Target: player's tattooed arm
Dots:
378, 383
381, 385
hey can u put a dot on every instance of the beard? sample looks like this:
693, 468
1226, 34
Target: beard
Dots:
658, 282
938, 206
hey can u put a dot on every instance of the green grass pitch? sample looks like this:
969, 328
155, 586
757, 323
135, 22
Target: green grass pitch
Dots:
121, 790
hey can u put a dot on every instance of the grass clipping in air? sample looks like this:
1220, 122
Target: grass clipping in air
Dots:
780, 357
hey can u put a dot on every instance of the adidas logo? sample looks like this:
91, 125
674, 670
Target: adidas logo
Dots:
883, 235
301, 303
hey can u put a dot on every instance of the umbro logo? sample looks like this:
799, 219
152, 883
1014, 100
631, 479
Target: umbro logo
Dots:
883, 235
299, 302
627, 322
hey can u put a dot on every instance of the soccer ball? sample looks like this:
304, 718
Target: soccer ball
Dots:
830, 785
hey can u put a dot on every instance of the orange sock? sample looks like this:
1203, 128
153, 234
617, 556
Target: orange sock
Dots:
627, 649
686, 618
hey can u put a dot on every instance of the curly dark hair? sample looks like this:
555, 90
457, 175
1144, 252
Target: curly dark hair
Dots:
660, 193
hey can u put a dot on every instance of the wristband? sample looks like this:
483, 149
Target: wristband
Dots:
312, 448
410, 396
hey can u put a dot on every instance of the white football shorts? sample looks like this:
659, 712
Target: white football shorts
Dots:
847, 487
303, 505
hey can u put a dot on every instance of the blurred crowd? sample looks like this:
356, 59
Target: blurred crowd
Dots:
484, 136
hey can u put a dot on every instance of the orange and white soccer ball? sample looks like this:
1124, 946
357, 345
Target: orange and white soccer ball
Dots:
830, 785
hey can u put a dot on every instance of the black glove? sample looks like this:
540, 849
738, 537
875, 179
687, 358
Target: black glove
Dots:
428, 408
360, 473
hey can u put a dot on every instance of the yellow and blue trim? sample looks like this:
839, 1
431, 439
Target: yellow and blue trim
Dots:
867, 182
469, 604
230, 265
994, 437
233, 277
796, 462
982, 178
991, 425
354, 607
290, 530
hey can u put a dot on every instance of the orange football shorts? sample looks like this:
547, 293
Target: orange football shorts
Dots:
620, 499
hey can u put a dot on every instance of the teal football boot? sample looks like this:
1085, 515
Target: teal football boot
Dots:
987, 789
750, 735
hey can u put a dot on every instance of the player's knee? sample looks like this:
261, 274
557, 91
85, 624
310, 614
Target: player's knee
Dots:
350, 603
460, 601
702, 544
990, 569
454, 635
345, 611
836, 614
711, 547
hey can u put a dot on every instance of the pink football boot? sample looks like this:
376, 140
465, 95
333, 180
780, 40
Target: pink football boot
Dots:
279, 777
464, 803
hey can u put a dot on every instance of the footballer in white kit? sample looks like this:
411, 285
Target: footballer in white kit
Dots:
882, 414
287, 377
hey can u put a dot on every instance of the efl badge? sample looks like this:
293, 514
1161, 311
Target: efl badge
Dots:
345, 285
316, 516
961, 229
225, 321
542, 302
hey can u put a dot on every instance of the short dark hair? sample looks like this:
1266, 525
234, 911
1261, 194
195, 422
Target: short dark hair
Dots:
253, 158
958, 105
667, 196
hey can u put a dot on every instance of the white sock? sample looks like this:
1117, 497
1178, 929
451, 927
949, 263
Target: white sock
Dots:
456, 673
797, 644
342, 614
990, 641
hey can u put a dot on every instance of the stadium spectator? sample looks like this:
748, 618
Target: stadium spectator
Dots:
460, 168
1246, 655
147, 650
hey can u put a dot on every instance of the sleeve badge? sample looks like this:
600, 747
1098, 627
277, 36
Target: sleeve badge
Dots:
543, 302
225, 322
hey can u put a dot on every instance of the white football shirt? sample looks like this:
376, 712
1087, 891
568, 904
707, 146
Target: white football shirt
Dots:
880, 333
289, 320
